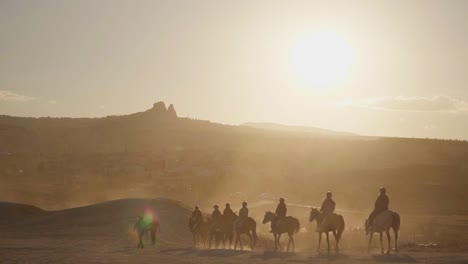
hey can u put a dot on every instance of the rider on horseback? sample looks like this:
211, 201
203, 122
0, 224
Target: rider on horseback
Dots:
228, 213
280, 212
243, 215
328, 207
216, 214
281, 209
381, 204
197, 215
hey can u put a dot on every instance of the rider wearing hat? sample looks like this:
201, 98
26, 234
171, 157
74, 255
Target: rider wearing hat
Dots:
328, 207
197, 214
280, 212
216, 214
381, 204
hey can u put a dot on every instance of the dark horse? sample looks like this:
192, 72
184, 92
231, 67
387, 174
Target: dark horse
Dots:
200, 230
145, 225
246, 226
336, 226
287, 224
223, 231
216, 232
382, 223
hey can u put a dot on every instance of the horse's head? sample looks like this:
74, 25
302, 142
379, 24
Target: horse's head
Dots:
269, 216
314, 214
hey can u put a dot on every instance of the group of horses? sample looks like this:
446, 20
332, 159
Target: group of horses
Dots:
227, 228
224, 230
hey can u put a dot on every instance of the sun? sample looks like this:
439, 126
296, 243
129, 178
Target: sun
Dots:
322, 59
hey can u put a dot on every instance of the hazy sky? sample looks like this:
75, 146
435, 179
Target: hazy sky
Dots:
395, 68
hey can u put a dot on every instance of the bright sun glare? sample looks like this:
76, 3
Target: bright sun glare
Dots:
322, 59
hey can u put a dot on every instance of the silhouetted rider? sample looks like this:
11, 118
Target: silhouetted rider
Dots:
243, 214
280, 213
244, 211
328, 207
216, 214
381, 204
197, 214
281, 209
228, 213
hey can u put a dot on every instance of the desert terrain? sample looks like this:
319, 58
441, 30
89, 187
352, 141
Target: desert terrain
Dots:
102, 233
66, 185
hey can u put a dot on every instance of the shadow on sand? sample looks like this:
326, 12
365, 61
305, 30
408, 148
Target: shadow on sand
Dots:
394, 258
204, 252
221, 252
180, 251
274, 255
331, 257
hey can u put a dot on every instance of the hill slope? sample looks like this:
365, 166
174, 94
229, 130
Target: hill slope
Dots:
311, 131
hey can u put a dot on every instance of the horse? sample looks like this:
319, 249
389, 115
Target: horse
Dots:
199, 229
336, 226
227, 227
246, 226
216, 232
146, 224
382, 223
287, 224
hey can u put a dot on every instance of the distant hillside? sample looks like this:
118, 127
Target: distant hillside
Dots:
312, 131
62, 162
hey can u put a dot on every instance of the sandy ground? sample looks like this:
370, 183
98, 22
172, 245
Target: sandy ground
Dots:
37, 250
102, 234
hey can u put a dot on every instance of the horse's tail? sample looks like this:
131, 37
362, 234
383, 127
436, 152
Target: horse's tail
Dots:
254, 233
340, 227
396, 223
297, 224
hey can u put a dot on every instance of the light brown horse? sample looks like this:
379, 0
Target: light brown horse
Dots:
288, 224
246, 226
382, 223
336, 226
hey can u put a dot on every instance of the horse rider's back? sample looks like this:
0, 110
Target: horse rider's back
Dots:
244, 212
216, 214
328, 206
281, 209
382, 202
228, 213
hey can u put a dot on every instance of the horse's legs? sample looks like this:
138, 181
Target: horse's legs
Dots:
292, 240
381, 243
209, 237
371, 234
289, 242
240, 242
279, 244
237, 239
251, 240
328, 242
336, 241
396, 240
276, 241
389, 241
320, 241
